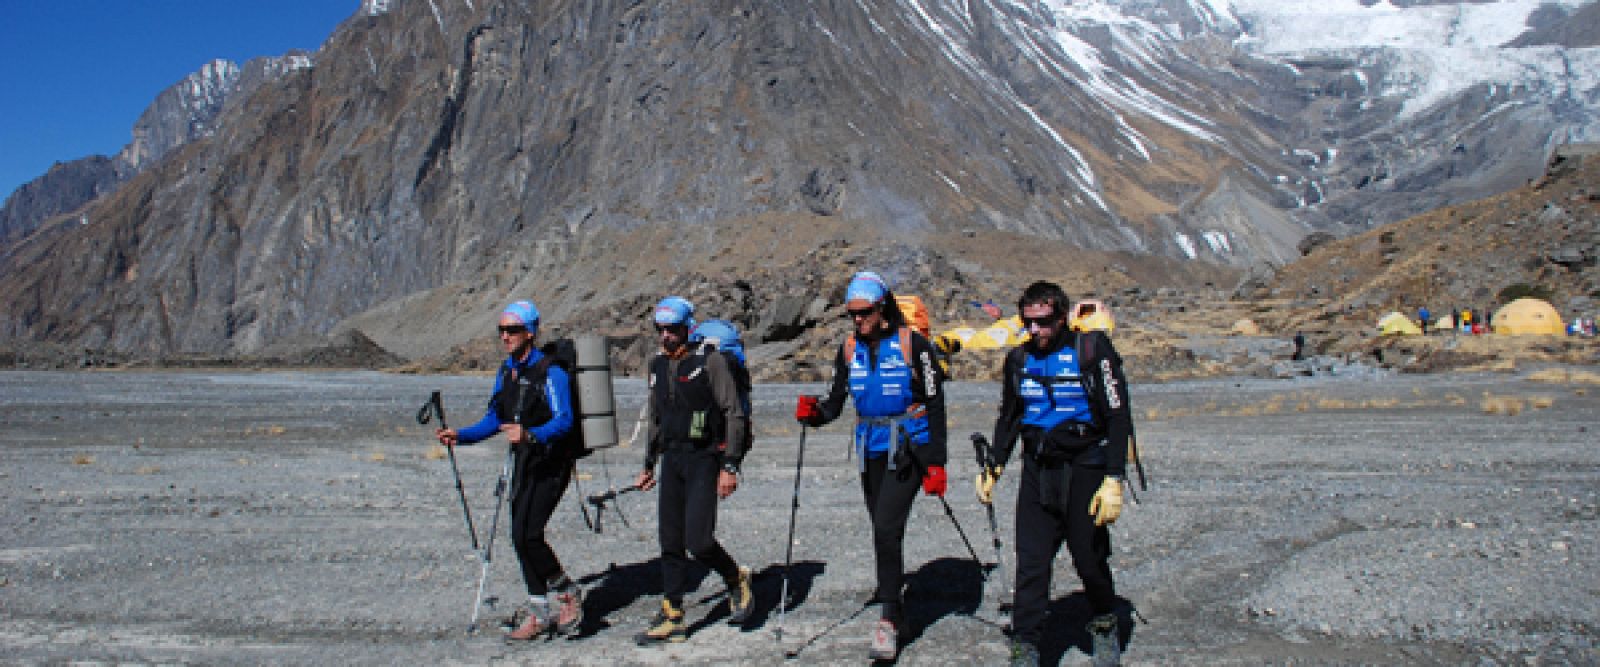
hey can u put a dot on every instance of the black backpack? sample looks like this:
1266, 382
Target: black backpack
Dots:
1086, 348
564, 353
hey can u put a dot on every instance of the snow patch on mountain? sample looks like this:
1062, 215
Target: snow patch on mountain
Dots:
1428, 53
1140, 42
206, 88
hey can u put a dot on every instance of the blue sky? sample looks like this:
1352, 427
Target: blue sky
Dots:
76, 74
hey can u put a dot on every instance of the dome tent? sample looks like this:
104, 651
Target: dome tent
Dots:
1395, 324
1528, 316
1245, 326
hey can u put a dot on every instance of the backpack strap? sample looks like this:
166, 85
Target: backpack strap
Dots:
904, 334
1086, 346
905, 349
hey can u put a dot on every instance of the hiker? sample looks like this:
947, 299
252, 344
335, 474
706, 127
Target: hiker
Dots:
1299, 346
889, 371
532, 407
699, 433
1074, 423
1423, 317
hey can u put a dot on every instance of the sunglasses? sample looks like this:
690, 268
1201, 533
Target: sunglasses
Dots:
668, 327
863, 312
1041, 322
513, 329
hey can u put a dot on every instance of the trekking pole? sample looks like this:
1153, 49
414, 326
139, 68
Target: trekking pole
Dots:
980, 447
486, 556
611, 493
957, 523
599, 501
788, 551
577, 485
923, 472
435, 406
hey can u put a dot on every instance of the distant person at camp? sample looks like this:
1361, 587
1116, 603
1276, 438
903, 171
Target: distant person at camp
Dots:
532, 407
889, 371
1423, 317
1063, 394
699, 434
1299, 346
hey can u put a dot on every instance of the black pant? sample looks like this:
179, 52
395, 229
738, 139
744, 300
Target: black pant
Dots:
687, 519
1040, 533
537, 487
889, 495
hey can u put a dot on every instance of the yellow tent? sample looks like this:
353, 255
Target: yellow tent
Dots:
1092, 315
1003, 333
1444, 323
1246, 327
1528, 316
1395, 324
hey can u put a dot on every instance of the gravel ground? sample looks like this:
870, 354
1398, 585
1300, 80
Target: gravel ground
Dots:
225, 518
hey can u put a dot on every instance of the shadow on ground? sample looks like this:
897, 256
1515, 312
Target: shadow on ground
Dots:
1067, 627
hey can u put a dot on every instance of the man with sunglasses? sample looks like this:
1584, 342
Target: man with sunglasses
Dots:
1064, 395
698, 430
532, 407
890, 372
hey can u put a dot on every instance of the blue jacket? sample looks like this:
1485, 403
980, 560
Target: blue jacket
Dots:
557, 396
879, 379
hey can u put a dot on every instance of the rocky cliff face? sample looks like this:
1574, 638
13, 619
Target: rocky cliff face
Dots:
67, 186
442, 157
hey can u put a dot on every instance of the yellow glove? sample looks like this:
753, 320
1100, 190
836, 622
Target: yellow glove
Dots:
1107, 503
984, 483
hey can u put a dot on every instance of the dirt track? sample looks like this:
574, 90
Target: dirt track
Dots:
298, 518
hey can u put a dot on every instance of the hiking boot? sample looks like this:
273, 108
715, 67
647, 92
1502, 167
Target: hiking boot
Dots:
1024, 654
1107, 647
532, 621
668, 626
741, 600
569, 610
885, 641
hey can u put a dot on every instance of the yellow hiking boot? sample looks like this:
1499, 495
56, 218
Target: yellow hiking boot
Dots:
741, 600
668, 626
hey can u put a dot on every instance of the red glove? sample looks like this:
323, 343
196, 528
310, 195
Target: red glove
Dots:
935, 482
806, 410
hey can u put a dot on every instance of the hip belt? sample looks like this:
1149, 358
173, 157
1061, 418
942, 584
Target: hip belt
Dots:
896, 424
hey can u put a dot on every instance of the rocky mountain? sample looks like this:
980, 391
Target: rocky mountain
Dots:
1541, 239
180, 114
67, 186
442, 156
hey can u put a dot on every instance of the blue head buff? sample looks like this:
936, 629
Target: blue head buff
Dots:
866, 286
526, 312
674, 310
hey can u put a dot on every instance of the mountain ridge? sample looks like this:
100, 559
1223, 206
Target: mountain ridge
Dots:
479, 150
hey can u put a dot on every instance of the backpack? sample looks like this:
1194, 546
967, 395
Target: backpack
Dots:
563, 352
1085, 350
722, 336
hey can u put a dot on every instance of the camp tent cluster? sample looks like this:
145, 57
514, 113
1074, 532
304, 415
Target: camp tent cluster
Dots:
1527, 316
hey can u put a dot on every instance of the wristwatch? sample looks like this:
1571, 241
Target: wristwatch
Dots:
731, 467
